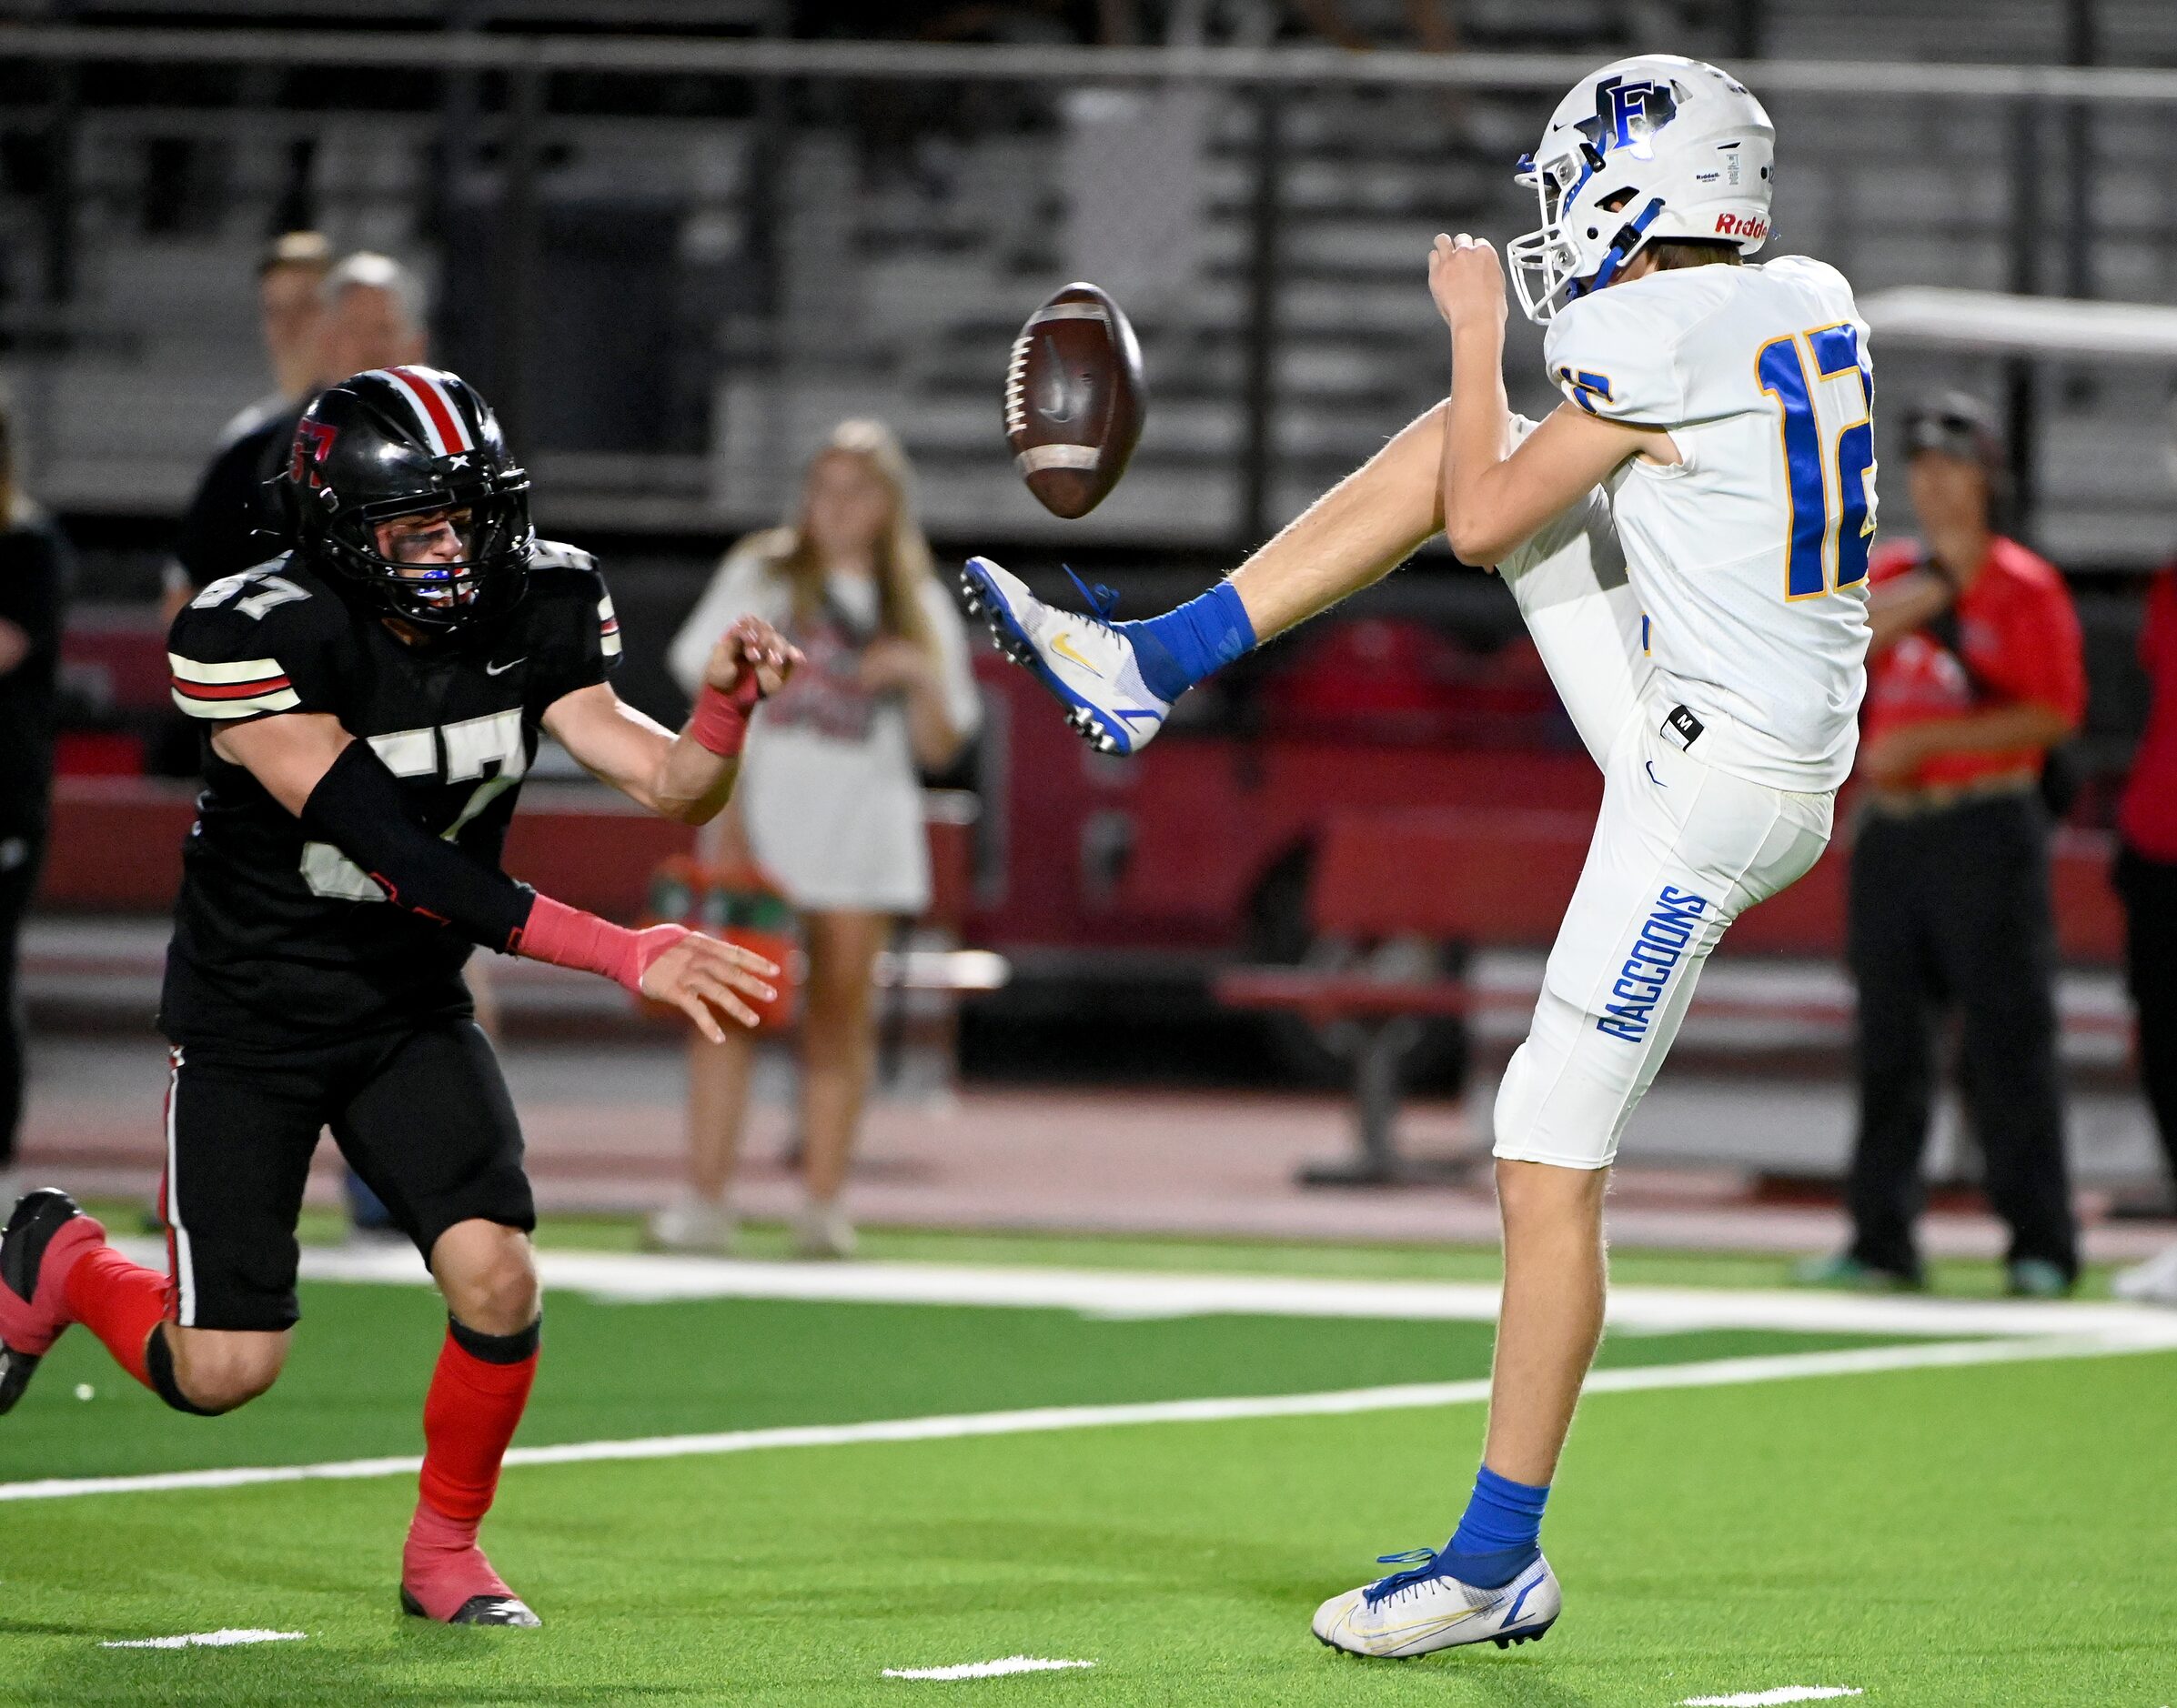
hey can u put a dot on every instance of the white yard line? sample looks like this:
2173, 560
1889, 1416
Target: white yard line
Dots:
1714, 1372
1771, 1698
225, 1639
640, 1278
986, 1669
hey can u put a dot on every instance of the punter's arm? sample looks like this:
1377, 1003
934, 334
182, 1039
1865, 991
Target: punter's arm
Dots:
688, 777
1492, 501
343, 795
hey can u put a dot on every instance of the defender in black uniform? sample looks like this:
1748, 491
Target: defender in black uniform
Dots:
371, 703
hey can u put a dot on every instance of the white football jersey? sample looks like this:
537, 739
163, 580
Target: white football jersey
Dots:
1749, 557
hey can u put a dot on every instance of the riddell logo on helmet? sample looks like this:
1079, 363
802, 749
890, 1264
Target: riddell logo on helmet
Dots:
1741, 226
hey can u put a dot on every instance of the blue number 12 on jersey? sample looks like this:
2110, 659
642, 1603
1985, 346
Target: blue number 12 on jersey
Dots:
1829, 531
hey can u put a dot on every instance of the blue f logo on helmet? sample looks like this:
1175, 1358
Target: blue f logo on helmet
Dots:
1628, 114
1656, 146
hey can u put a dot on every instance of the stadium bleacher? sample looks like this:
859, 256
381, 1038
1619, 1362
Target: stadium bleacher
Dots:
927, 258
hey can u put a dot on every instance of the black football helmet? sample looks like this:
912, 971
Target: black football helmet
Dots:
400, 442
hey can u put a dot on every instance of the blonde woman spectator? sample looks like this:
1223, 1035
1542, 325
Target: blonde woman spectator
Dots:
829, 800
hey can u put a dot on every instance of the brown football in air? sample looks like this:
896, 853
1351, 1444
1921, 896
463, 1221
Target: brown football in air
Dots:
1074, 400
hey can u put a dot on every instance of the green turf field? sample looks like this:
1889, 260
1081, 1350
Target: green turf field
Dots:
2005, 1532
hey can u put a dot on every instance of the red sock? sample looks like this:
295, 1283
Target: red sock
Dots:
468, 1418
119, 1302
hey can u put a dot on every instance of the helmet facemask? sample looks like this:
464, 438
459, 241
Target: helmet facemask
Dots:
1588, 232
1546, 263
488, 512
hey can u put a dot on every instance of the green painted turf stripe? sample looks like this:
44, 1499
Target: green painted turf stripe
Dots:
1714, 1372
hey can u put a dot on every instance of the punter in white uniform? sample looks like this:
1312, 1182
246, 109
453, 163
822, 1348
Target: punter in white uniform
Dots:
1686, 536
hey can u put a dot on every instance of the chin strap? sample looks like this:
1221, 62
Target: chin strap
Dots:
1630, 237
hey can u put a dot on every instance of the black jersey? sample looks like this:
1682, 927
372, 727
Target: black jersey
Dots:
279, 939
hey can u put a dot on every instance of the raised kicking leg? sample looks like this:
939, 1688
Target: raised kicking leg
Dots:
1118, 680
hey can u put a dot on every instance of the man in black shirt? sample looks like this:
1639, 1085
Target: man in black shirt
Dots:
33, 577
370, 702
371, 316
219, 530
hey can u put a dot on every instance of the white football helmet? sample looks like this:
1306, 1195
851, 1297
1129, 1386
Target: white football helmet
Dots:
1654, 147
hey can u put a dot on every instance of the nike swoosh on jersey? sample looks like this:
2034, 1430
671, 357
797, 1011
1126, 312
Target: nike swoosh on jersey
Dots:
501, 669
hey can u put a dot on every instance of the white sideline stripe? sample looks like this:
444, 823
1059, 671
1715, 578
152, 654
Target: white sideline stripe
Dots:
643, 1278
1412, 1396
1764, 1698
223, 1639
985, 1669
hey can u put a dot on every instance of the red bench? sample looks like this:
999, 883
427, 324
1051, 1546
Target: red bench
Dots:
1501, 880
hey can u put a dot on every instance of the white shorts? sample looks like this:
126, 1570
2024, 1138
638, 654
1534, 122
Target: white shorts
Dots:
1680, 850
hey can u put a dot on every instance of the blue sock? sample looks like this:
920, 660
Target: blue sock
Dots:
1179, 648
1500, 1532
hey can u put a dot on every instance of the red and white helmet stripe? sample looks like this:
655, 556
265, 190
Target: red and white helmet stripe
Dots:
444, 429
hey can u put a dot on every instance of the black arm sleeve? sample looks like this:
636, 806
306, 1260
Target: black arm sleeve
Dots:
357, 808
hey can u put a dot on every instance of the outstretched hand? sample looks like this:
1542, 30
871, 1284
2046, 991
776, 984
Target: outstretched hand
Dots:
1468, 282
706, 980
752, 655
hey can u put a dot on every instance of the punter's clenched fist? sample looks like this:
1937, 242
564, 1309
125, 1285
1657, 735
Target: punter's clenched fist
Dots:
1467, 280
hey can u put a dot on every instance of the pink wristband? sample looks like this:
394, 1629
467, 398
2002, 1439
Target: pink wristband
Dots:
720, 720
568, 937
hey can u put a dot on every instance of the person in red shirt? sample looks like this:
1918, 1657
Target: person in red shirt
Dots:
2146, 878
1975, 671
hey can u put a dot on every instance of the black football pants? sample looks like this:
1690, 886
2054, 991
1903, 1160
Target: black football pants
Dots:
1950, 912
2150, 892
21, 854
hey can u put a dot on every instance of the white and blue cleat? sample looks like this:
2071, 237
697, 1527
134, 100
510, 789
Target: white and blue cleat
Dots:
1083, 660
1421, 1610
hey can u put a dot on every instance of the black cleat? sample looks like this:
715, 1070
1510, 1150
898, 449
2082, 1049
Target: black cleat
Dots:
37, 1217
480, 1610
15, 1371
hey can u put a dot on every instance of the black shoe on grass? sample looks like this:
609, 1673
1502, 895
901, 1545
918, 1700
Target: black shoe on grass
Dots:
480, 1610
38, 1216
